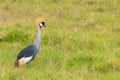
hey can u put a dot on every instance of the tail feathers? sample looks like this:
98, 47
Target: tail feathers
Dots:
16, 63
23, 61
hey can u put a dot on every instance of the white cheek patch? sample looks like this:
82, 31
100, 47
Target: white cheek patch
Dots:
41, 24
26, 59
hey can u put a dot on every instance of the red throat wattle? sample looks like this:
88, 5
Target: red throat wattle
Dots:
40, 28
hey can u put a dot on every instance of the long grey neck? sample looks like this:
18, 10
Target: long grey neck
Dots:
37, 41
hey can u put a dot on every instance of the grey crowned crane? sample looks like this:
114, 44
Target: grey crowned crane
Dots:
28, 53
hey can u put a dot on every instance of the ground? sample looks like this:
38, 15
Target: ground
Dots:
81, 40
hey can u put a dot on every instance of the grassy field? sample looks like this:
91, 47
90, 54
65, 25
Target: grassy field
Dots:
81, 40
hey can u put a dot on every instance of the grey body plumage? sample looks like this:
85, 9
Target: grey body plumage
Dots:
31, 50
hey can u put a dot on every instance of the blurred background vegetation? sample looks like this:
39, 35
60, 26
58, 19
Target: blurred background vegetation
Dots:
81, 40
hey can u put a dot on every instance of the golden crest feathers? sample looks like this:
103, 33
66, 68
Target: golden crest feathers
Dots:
39, 20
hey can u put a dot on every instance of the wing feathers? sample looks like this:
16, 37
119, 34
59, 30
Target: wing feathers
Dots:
26, 59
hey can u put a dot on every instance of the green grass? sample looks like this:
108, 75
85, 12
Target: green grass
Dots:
81, 40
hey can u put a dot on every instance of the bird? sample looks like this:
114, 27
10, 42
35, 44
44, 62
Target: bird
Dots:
27, 54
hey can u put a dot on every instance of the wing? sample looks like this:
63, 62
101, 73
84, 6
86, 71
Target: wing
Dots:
29, 51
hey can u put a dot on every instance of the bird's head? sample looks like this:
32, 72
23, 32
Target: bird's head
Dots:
41, 23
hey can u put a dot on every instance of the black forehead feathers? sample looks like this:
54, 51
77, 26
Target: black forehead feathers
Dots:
43, 23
